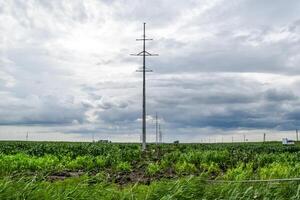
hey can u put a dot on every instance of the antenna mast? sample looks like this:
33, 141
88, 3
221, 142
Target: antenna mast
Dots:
144, 53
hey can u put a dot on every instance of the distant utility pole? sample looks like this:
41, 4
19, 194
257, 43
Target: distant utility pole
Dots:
264, 137
144, 53
232, 139
160, 134
156, 129
244, 138
27, 136
297, 135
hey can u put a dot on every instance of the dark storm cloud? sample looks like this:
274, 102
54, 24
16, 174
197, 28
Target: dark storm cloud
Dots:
210, 102
42, 111
119, 116
275, 95
229, 120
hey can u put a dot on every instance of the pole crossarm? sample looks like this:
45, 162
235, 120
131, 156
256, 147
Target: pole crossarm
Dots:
142, 39
144, 53
142, 70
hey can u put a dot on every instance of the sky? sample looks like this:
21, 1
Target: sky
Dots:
225, 69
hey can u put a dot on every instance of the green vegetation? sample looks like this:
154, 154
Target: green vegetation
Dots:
62, 170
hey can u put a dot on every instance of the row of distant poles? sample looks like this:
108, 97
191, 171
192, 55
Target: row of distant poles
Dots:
214, 140
265, 135
144, 53
158, 132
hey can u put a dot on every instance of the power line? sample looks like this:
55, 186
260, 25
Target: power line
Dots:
144, 53
255, 180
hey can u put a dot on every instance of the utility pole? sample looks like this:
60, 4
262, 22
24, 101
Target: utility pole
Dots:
264, 137
156, 129
159, 133
297, 137
244, 138
144, 53
232, 139
27, 136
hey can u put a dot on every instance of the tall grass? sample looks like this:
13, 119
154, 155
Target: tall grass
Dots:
185, 188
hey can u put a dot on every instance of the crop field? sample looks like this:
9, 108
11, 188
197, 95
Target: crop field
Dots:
63, 170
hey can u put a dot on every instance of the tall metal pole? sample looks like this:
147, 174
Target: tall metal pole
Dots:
144, 53
297, 135
156, 129
144, 91
160, 133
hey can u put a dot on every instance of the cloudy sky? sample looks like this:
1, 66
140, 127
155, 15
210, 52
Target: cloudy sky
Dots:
225, 68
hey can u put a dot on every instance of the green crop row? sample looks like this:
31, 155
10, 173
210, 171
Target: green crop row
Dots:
215, 164
50, 163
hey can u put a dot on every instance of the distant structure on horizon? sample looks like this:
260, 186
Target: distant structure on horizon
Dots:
104, 141
286, 141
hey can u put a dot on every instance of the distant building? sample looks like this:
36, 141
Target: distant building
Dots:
176, 142
104, 141
286, 141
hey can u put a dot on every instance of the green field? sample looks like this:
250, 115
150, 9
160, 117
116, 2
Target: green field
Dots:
62, 170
